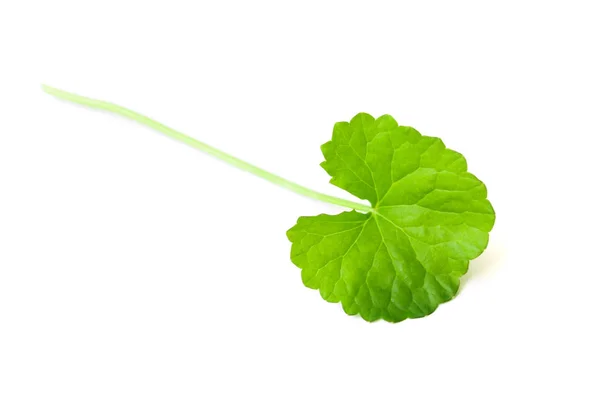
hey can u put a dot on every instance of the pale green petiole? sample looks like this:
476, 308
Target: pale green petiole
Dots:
236, 162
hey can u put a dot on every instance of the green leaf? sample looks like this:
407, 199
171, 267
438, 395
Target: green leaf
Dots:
430, 217
405, 256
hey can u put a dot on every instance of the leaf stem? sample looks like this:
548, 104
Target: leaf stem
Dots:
172, 133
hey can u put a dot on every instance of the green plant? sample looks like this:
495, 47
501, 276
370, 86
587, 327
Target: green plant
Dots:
404, 254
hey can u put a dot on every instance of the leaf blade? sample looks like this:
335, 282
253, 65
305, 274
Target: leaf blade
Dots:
430, 218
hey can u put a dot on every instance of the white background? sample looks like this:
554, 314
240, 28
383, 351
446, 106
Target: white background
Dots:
133, 267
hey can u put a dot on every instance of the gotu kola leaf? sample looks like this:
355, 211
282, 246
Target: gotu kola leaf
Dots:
399, 258
429, 218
